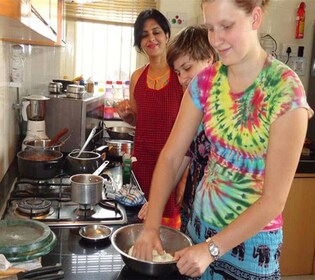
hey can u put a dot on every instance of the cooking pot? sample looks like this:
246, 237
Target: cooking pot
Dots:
88, 162
42, 144
117, 148
55, 87
120, 132
75, 91
87, 189
39, 164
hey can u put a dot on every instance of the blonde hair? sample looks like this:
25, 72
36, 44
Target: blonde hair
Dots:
246, 5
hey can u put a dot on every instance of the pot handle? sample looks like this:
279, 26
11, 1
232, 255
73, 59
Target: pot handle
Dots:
101, 168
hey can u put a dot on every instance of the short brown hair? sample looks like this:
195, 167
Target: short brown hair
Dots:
192, 41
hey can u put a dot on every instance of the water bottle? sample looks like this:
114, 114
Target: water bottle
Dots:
118, 96
126, 90
109, 100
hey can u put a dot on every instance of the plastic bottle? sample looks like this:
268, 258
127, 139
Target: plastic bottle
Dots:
109, 100
118, 96
300, 21
126, 90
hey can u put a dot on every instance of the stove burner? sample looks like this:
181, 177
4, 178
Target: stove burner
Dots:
34, 206
84, 210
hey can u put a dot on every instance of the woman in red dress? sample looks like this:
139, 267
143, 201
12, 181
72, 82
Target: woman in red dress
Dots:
155, 97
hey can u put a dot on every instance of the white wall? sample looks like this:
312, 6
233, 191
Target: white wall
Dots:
279, 22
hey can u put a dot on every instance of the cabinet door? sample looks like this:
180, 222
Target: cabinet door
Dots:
297, 257
43, 9
54, 15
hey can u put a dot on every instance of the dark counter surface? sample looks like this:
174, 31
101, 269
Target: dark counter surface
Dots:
82, 259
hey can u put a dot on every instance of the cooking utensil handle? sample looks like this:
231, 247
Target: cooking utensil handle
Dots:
39, 271
87, 141
61, 133
101, 168
52, 276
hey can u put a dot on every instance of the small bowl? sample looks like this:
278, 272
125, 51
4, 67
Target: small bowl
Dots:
95, 232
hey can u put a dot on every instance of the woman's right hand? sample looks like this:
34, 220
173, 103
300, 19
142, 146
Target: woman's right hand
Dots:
125, 111
143, 211
147, 241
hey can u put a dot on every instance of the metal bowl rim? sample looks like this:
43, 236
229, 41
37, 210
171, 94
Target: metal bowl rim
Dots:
139, 260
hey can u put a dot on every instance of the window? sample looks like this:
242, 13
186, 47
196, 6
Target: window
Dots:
103, 37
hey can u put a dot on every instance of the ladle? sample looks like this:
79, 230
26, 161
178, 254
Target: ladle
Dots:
87, 141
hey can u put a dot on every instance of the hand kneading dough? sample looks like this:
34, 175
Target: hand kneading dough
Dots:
166, 257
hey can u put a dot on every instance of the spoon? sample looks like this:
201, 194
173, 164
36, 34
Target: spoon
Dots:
87, 141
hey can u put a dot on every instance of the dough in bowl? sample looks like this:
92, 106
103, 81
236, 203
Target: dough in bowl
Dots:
166, 257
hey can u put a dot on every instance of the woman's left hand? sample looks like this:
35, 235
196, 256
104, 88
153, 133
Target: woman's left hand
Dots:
193, 261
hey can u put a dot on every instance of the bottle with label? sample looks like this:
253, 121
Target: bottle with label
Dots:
126, 90
109, 100
118, 96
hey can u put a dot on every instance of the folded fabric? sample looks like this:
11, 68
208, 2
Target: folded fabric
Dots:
130, 195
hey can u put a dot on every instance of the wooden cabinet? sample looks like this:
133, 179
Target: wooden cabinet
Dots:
35, 22
298, 251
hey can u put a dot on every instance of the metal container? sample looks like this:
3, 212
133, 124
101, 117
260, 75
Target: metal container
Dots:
172, 241
118, 148
35, 107
86, 189
121, 132
88, 162
55, 87
95, 232
42, 144
38, 164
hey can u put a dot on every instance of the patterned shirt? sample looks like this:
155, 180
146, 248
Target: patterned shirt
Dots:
238, 127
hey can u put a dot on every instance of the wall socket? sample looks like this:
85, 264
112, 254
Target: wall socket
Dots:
294, 49
297, 64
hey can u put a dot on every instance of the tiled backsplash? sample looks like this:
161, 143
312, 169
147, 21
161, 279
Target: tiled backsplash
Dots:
41, 65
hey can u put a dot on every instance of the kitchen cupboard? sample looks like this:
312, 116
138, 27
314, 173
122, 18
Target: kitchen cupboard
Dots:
298, 250
34, 22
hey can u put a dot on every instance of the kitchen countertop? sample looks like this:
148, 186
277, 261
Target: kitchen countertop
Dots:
82, 259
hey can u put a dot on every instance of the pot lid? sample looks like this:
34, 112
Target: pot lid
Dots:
36, 97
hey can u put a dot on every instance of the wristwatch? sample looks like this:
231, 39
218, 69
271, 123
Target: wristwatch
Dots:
213, 249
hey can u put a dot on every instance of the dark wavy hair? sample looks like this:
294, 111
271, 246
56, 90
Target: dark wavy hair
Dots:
192, 41
142, 18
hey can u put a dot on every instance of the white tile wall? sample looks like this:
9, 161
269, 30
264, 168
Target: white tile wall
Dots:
41, 65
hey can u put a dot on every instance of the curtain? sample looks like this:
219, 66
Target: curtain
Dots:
121, 12
102, 37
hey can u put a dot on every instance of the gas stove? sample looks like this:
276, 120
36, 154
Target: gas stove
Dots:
50, 202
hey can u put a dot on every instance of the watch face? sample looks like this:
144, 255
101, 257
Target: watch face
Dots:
214, 250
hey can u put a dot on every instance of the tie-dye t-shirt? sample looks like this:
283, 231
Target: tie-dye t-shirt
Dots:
237, 125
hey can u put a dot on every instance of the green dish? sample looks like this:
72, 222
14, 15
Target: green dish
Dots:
23, 236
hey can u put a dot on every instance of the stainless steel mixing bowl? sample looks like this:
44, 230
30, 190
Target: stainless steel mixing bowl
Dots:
172, 241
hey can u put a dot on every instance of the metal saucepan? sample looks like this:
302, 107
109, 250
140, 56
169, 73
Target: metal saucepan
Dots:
41, 144
87, 189
120, 132
39, 164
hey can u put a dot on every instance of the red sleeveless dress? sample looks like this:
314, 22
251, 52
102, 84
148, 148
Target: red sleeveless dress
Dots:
156, 114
